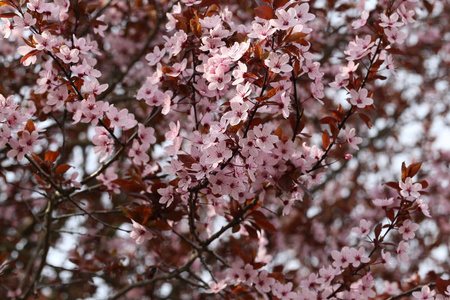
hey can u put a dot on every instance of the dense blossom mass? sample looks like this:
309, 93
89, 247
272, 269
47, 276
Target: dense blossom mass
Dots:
205, 149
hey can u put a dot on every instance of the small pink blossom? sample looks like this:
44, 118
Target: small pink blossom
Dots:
409, 190
360, 99
425, 294
407, 229
140, 233
278, 62
216, 287
352, 139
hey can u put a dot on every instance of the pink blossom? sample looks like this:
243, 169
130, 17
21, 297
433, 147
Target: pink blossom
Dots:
401, 251
68, 55
263, 283
352, 139
174, 131
215, 287
283, 291
360, 98
425, 293
363, 229
409, 190
278, 63
407, 229
140, 233
361, 21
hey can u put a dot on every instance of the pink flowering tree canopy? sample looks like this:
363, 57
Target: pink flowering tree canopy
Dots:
221, 149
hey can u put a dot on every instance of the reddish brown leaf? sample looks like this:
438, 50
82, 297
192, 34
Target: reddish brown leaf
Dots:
195, 26
441, 285
8, 15
366, 119
51, 156
378, 230
62, 169
327, 120
326, 139
390, 214
279, 3
264, 12
413, 169
393, 184
295, 37
30, 54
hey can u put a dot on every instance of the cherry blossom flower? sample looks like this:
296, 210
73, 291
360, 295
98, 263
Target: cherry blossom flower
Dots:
24, 50
278, 63
263, 283
407, 229
361, 21
365, 288
138, 153
283, 291
352, 139
409, 190
215, 287
67, 55
401, 251
360, 98
395, 36
174, 131
386, 259
140, 233
383, 202
156, 56
167, 195
285, 19
99, 28
264, 139
261, 32
302, 13
390, 21
17, 150
25, 22
423, 207
359, 257
45, 41
237, 114
425, 293
407, 15
6, 28
363, 229
121, 119
343, 258
248, 274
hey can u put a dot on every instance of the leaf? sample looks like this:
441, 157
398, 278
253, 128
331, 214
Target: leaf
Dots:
279, 3
441, 285
390, 214
8, 15
62, 169
404, 171
195, 26
326, 139
295, 37
366, 119
424, 184
264, 12
51, 156
413, 169
128, 185
266, 225
27, 56
393, 184
327, 120
378, 230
